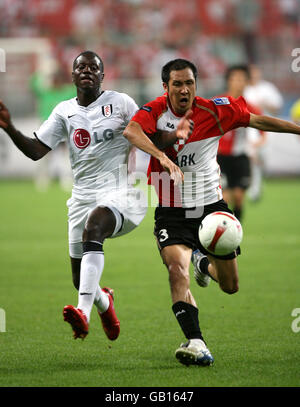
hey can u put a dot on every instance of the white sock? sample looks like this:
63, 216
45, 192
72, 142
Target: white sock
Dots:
101, 300
91, 269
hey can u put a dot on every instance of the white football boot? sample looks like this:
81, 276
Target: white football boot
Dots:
194, 352
202, 279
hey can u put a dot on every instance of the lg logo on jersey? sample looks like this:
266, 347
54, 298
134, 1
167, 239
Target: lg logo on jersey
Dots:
82, 137
106, 135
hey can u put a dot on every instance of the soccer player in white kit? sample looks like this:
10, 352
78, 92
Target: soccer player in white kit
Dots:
102, 205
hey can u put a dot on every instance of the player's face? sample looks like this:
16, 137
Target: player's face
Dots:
237, 82
181, 89
87, 73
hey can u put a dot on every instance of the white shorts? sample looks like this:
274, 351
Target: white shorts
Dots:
129, 207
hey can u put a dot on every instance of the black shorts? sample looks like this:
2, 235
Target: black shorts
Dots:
236, 169
176, 226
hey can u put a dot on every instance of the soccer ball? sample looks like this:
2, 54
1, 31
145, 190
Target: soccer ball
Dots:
220, 233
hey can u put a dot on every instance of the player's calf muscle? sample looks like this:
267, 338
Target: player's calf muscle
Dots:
230, 287
75, 264
227, 274
228, 282
178, 275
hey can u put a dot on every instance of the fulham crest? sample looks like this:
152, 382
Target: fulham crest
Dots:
107, 110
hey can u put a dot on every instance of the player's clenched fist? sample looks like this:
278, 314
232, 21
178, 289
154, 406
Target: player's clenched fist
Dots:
185, 126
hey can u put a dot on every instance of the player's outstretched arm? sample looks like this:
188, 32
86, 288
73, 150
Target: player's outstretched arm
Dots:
32, 148
135, 135
267, 123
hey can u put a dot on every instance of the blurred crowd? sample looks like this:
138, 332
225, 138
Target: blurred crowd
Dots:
135, 37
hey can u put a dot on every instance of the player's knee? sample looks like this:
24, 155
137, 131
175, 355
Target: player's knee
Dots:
93, 231
99, 225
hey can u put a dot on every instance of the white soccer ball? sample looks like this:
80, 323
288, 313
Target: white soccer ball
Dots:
220, 233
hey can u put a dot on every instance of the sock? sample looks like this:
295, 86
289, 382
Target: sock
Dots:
187, 317
91, 269
101, 300
204, 262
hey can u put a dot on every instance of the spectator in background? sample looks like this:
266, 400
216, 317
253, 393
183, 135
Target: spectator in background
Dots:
248, 13
49, 96
290, 10
262, 93
212, 33
233, 152
85, 19
266, 96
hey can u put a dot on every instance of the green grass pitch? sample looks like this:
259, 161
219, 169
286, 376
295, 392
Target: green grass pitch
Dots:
249, 333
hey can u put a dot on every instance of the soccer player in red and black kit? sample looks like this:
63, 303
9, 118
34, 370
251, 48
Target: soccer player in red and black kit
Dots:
182, 208
233, 153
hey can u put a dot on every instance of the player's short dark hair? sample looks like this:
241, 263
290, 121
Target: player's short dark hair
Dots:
241, 67
89, 54
177, 65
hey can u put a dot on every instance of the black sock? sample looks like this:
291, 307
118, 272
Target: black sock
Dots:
204, 262
187, 317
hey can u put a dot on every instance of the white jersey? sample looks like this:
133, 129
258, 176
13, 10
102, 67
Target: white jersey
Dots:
97, 148
264, 95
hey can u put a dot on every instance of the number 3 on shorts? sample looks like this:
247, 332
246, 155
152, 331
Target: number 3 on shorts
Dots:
163, 235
